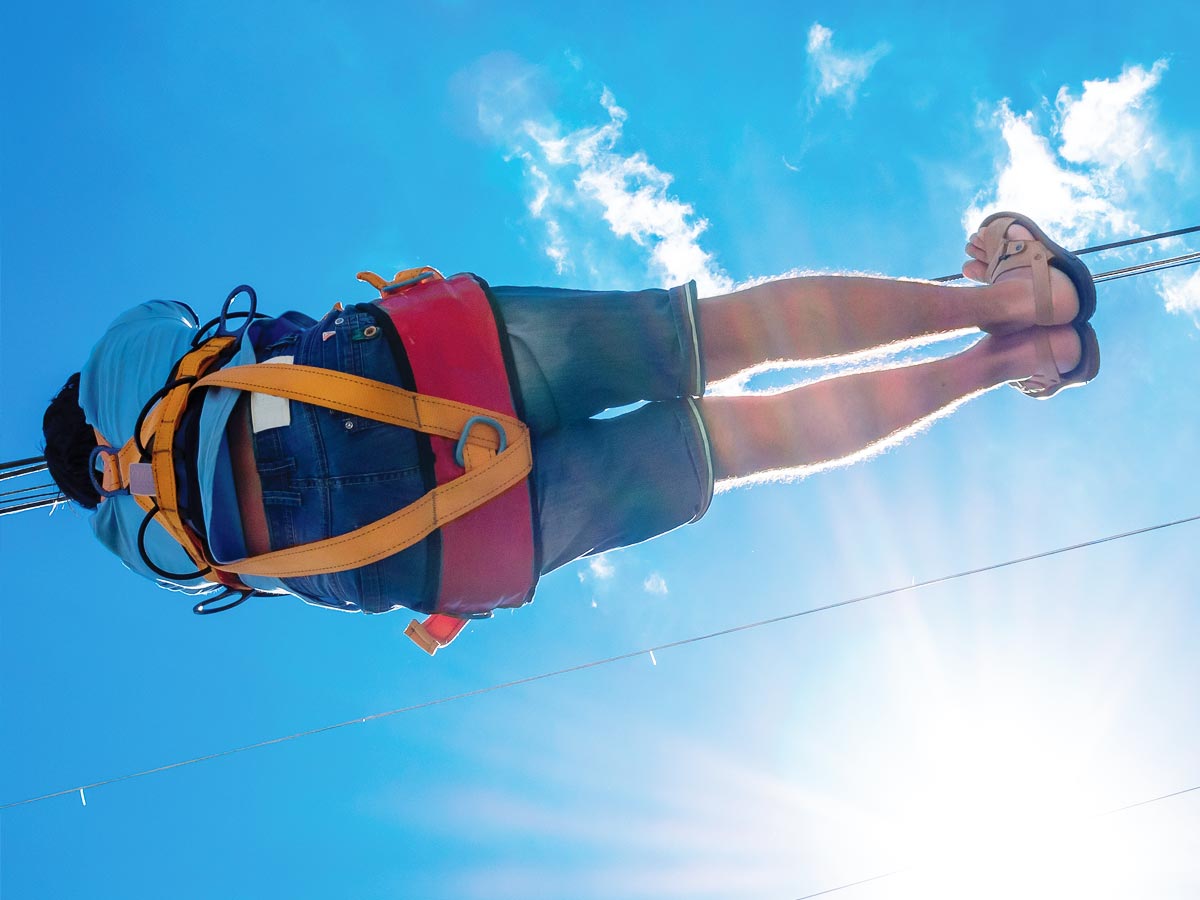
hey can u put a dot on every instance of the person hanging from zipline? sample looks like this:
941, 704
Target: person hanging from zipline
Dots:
436, 449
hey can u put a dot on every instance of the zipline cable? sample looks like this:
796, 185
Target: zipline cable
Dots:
530, 679
42, 495
1109, 812
25, 490
1162, 235
19, 472
25, 507
1145, 268
22, 462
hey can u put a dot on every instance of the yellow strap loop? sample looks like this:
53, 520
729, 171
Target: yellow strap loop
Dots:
402, 279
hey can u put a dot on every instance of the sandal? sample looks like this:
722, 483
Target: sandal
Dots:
1043, 387
1007, 254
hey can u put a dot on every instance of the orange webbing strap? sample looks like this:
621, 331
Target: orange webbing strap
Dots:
435, 632
405, 278
384, 403
116, 468
160, 425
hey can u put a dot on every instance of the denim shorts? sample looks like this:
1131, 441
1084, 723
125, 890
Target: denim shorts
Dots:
599, 483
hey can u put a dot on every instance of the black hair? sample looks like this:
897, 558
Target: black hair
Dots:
70, 441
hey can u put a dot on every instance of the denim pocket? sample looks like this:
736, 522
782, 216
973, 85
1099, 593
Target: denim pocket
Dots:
350, 341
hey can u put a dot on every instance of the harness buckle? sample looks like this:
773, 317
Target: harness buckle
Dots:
141, 479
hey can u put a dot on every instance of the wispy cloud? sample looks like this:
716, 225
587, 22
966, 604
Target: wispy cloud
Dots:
601, 568
655, 584
838, 75
585, 188
1108, 126
1181, 293
1081, 179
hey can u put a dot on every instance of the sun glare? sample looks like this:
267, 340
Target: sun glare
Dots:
1005, 803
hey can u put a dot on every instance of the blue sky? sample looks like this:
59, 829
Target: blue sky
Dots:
177, 150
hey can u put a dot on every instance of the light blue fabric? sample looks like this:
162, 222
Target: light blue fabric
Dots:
131, 361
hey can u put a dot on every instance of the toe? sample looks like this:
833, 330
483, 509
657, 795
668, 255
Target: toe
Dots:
975, 270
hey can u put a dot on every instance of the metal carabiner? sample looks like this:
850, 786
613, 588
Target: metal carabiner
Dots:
99, 485
466, 433
223, 329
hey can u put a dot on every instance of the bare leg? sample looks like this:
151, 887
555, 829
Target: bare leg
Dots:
799, 319
840, 420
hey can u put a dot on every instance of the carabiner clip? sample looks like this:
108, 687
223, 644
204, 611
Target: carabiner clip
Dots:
99, 485
466, 432
223, 329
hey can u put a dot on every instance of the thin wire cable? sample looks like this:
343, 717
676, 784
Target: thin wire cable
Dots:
32, 487
530, 679
1121, 809
22, 462
1109, 812
1162, 235
42, 495
1146, 268
1127, 272
958, 276
41, 504
26, 471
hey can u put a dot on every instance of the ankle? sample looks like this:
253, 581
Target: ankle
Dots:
1001, 358
1005, 304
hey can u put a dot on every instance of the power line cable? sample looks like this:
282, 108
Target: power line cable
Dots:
1109, 812
530, 679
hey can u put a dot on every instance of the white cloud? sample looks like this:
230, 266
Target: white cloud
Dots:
1181, 292
1108, 125
630, 193
601, 568
655, 584
583, 187
838, 75
1078, 181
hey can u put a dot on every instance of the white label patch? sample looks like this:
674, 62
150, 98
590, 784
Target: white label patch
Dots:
270, 412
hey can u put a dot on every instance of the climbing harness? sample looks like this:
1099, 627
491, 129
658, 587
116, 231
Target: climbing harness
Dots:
463, 407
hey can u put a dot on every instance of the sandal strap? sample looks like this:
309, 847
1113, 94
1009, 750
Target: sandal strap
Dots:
1007, 254
1048, 375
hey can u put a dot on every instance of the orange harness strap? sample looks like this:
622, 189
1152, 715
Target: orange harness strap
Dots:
491, 470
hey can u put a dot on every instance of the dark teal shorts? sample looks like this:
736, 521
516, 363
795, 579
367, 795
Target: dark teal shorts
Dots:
613, 481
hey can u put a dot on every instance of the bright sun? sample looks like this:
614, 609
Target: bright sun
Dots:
1004, 802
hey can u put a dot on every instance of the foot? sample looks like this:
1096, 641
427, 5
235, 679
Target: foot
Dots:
1018, 357
1019, 311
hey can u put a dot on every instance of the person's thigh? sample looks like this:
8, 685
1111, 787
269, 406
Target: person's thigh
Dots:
606, 483
578, 353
